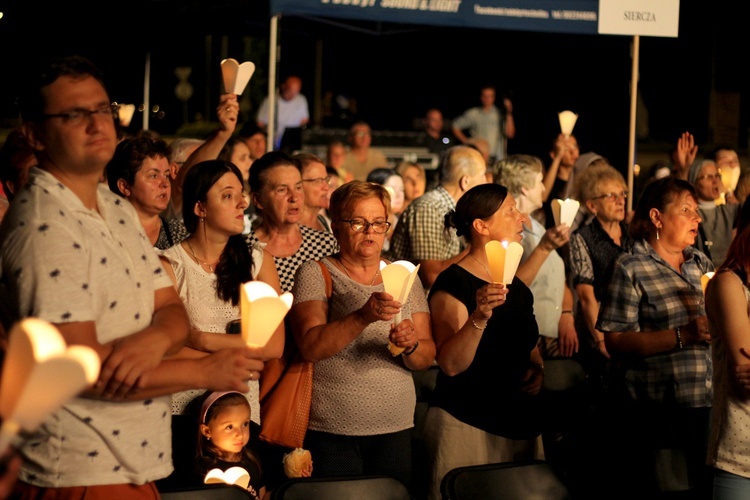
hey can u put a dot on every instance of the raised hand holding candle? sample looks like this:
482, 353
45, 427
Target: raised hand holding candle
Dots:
236, 76
503, 258
564, 211
567, 121
262, 310
40, 374
398, 278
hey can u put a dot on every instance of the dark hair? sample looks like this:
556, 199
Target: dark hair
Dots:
31, 102
250, 129
207, 455
266, 162
236, 262
228, 150
738, 255
129, 156
657, 194
479, 202
14, 153
381, 175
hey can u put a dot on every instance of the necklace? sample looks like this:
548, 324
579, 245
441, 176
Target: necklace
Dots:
482, 264
209, 266
350, 276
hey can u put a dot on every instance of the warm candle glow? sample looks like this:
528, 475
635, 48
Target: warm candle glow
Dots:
567, 121
564, 211
503, 258
234, 475
705, 279
262, 311
398, 278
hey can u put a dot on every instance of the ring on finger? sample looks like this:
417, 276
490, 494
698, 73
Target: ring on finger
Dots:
380, 310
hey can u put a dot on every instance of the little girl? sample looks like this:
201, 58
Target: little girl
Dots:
224, 432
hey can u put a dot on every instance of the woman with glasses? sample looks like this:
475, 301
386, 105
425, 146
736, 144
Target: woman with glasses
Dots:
594, 247
655, 327
485, 407
140, 172
716, 229
315, 184
363, 397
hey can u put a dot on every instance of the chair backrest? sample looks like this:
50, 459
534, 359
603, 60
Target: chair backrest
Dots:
532, 480
208, 492
342, 488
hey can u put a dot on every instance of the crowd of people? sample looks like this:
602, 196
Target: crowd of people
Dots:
138, 248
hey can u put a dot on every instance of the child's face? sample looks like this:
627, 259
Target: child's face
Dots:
229, 430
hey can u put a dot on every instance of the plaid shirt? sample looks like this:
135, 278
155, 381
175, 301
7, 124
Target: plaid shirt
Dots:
420, 233
646, 294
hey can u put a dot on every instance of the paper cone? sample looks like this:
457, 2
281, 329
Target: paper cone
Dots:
125, 114
705, 279
565, 211
398, 278
236, 76
234, 475
567, 121
503, 258
40, 374
730, 176
262, 311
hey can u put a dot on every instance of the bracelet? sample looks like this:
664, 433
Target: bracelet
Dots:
679, 337
411, 351
475, 323
567, 311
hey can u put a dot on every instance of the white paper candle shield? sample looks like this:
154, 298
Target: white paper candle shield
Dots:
398, 278
503, 258
237, 476
125, 114
567, 121
262, 310
236, 76
564, 211
40, 374
730, 176
705, 279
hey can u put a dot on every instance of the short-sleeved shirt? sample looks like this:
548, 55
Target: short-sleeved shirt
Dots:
485, 124
315, 245
362, 390
593, 253
646, 294
207, 313
420, 233
64, 263
360, 170
289, 114
548, 286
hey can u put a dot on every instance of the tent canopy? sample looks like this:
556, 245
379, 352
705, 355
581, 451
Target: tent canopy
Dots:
557, 16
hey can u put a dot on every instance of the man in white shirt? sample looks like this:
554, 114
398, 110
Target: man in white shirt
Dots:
292, 109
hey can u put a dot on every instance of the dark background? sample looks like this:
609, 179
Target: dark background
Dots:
397, 71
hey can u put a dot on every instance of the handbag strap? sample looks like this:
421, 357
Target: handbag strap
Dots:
294, 351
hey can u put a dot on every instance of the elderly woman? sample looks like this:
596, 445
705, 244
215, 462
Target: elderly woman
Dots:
278, 195
655, 327
140, 172
541, 269
363, 396
593, 250
486, 337
716, 229
394, 183
315, 184
415, 181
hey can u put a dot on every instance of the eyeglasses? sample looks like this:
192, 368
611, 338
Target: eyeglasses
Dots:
612, 196
361, 225
319, 180
79, 115
709, 177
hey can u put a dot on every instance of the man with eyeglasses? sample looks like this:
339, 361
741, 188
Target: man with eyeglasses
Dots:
716, 230
420, 235
74, 254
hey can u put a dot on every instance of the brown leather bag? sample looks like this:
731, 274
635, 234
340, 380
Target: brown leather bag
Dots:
286, 392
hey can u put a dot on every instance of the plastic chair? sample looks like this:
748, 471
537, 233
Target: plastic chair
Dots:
342, 488
207, 492
532, 480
